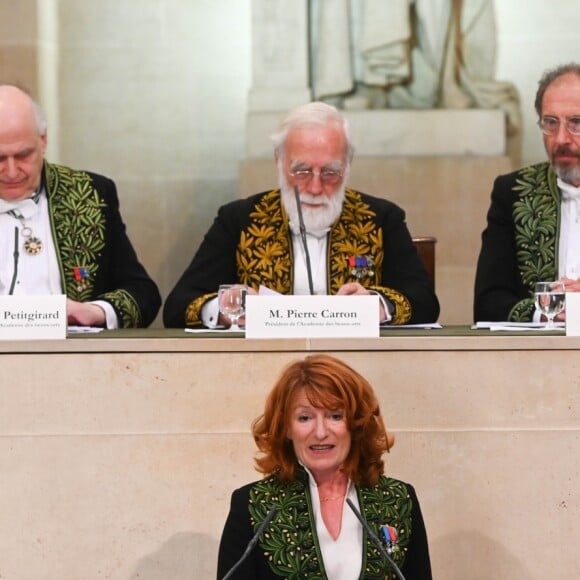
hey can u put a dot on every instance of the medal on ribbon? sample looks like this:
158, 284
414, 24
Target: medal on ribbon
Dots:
82, 276
361, 267
390, 538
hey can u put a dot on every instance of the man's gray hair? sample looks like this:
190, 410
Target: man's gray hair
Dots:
314, 113
549, 77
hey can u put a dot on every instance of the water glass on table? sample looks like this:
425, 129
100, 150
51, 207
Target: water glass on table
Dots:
232, 302
550, 300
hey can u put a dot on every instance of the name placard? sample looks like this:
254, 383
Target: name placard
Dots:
572, 314
33, 317
312, 316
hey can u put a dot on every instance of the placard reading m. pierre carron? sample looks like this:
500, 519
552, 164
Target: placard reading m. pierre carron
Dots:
312, 316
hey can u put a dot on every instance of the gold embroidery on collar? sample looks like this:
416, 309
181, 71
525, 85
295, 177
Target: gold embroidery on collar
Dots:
264, 253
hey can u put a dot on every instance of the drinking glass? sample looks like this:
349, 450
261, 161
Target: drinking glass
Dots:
550, 299
232, 301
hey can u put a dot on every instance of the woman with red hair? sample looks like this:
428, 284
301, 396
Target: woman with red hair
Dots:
321, 439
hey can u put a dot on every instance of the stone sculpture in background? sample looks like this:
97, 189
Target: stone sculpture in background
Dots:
405, 54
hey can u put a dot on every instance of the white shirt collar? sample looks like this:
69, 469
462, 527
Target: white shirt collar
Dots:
295, 229
568, 190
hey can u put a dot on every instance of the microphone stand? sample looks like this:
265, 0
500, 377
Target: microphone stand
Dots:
16, 255
269, 516
375, 540
304, 242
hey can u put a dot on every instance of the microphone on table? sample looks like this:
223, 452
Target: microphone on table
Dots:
16, 255
304, 242
269, 516
375, 539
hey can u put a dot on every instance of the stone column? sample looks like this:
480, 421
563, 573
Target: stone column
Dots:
48, 93
279, 55
18, 43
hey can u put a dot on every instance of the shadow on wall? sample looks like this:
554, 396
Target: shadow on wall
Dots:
188, 556
484, 557
185, 556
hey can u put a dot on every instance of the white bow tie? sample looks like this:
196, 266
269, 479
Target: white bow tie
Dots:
21, 207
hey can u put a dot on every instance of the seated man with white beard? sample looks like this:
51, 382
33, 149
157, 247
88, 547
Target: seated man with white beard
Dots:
357, 244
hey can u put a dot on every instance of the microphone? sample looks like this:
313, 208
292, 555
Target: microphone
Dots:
375, 540
303, 237
273, 511
16, 255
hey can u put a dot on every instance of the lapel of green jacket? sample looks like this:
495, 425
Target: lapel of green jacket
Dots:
78, 228
290, 543
536, 216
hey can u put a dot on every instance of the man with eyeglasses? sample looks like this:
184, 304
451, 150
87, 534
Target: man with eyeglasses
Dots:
356, 244
533, 224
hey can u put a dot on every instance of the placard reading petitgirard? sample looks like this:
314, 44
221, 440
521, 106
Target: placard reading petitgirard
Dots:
312, 316
33, 317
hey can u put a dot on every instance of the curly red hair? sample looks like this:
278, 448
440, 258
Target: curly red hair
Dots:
331, 384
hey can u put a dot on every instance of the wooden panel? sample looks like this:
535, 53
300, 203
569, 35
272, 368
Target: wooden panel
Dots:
426, 247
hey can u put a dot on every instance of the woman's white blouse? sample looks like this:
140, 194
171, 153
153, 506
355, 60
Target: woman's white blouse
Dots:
342, 557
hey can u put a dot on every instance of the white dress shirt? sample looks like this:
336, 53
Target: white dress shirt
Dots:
39, 273
317, 243
569, 249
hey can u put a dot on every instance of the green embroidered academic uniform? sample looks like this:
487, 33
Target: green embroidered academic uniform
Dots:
289, 547
95, 256
519, 245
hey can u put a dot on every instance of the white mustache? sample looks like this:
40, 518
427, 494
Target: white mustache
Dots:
312, 199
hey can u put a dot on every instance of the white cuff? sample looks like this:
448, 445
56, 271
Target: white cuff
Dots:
111, 320
210, 313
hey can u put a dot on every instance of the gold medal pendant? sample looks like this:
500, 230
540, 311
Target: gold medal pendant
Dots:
32, 246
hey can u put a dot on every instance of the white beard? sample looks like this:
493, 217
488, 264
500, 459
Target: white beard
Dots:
317, 218
570, 175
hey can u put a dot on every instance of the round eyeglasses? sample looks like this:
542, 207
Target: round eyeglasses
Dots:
551, 125
326, 176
